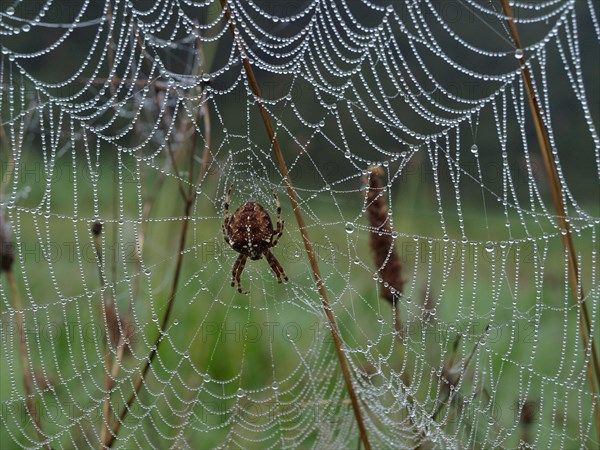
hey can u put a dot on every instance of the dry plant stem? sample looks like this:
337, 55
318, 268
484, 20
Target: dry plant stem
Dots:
163, 326
305, 238
454, 380
189, 198
189, 201
385, 256
107, 364
27, 379
567, 239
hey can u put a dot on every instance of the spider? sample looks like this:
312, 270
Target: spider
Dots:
250, 233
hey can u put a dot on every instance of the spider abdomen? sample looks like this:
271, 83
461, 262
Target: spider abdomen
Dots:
250, 230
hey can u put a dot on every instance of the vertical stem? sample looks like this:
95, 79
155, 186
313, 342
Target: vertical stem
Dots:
567, 239
189, 201
305, 237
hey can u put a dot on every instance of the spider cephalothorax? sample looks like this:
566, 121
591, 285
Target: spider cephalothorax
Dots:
250, 233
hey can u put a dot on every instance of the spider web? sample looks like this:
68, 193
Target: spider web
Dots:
102, 106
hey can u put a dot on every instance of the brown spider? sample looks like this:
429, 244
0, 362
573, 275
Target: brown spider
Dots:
250, 233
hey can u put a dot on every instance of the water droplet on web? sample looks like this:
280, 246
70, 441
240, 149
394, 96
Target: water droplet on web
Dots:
394, 234
348, 154
175, 322
206, 77
474, 149
10, 10
26, 27
349, 228
518, 53
275, 385
489, 247
240, 393
356, 261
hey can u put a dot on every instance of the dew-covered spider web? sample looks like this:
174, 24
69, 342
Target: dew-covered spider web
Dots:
409, 138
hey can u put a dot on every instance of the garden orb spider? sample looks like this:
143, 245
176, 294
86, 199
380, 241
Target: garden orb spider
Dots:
250, 233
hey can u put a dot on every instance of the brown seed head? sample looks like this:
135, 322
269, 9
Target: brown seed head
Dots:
97, 228
382, 243
7, 251
528, 412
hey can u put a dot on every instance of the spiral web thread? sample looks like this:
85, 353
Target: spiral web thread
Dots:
100, 107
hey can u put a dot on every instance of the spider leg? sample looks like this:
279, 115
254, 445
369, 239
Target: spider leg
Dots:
275, 266
234, 270
239, 268
279, 228
226, 222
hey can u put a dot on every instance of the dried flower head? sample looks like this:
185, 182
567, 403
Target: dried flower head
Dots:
7, 251
382, 241
97, 228
528, 412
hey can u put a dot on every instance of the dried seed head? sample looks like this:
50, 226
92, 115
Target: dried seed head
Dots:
382, 243
97, 228
528, 412
7, 251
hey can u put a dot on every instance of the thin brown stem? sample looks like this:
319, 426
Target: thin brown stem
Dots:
163, 326
103, 315
567, 239
304, 232
189, 201
27, 379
